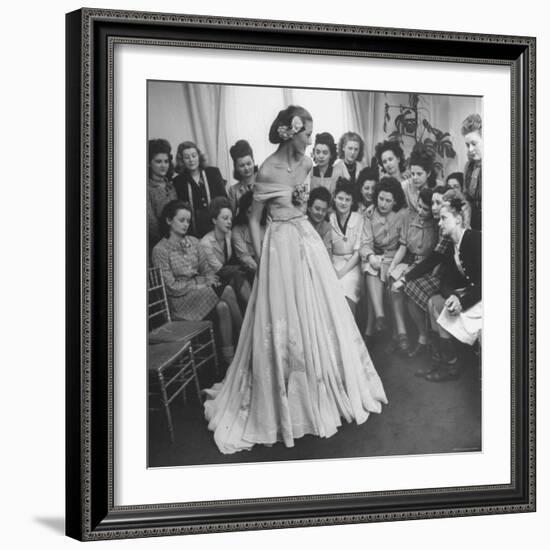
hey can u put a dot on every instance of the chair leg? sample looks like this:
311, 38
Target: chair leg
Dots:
166, 406
195, 373
214, 352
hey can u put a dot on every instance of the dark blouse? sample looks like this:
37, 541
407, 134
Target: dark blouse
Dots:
211, 184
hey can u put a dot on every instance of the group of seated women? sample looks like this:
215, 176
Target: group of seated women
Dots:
402, 242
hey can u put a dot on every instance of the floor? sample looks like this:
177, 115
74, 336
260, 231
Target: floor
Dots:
421, 418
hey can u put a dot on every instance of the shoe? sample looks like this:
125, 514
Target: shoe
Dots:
448, 352
419, 349
403, 343
423, 372
380, 324
443, 374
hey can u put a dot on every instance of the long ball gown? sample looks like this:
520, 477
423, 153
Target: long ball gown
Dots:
301, 364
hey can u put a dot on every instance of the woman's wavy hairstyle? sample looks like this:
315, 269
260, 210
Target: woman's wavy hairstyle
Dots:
217, 204
343, 185
458, 204
157, 146
325, 138
458, 176
238, 151
351, 136
421, 156
395, 148
180, 167
169, 211
390, 185
472, 123
284, 118
319, 193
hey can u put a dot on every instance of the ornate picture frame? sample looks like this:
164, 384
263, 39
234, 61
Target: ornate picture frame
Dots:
91, 509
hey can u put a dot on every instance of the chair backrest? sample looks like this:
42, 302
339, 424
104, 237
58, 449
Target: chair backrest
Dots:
158, 311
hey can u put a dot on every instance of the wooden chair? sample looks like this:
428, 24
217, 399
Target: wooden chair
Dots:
162, 329
171, 369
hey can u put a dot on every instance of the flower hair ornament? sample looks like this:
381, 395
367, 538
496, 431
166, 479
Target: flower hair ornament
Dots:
287, 132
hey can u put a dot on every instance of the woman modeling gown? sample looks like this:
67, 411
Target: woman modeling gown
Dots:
300, 364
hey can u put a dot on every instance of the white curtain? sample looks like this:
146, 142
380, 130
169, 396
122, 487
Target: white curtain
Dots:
216, 116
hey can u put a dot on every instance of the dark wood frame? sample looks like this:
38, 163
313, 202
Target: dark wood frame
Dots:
91, 514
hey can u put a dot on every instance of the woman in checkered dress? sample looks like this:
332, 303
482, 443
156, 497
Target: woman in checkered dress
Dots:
193, 289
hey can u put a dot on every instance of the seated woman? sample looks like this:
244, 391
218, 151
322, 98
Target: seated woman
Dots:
422, 175
218, 250
324, 155
244, 171
192, 288
366, 180
455, 181
318, 204
347, 227
457, 310
197, 184
379, 244
351, 148
241, 239
159, 189
417, 240
423, 280
391, 159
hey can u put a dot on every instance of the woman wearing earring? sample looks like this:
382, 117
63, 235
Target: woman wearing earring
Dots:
301, 364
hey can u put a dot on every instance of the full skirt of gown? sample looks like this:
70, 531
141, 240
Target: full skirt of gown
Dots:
301, 364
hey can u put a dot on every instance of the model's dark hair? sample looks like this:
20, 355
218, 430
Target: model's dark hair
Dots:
351, 136
472, 123
284, 118
324, 138
390, 185
217, 204
180, 166
392, 146
169, 211
319, 193
459, 176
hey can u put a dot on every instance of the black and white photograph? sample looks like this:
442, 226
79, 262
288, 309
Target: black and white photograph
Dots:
314, 273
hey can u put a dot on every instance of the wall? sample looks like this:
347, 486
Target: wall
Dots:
32, 350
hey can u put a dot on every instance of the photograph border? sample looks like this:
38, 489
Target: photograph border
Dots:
90, 40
